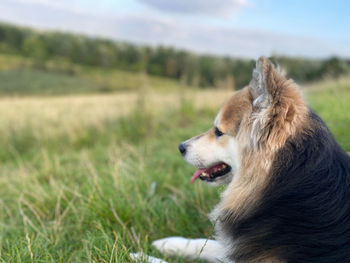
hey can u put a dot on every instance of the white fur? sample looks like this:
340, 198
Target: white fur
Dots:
191, 249
204, 249
140, 257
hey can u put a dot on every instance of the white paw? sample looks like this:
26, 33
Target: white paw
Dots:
140, 257
174, 246
208, 250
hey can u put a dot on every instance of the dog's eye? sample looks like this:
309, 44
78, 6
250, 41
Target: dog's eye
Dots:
218, 133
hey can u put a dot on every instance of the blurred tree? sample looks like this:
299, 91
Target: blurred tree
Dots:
196, 70
34, 47
334, 67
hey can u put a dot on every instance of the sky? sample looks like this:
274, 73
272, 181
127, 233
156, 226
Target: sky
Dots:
239, 28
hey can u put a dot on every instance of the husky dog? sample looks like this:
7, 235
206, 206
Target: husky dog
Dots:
288, 193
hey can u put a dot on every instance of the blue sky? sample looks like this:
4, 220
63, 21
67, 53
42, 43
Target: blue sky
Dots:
242, 28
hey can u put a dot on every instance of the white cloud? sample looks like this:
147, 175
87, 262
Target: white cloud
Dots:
226, 41
153, 30
64, 5
208, 7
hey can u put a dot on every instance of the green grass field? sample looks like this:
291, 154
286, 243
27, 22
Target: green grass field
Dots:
23, 77
81, 182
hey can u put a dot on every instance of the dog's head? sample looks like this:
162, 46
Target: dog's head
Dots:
258, 116
216, 152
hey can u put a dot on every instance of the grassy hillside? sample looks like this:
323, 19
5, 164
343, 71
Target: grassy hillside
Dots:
34, 82
21, 76
90, 178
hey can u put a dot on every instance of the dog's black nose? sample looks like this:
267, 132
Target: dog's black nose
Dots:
182, 148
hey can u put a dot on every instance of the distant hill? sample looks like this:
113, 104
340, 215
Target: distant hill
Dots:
23, 76
192, 69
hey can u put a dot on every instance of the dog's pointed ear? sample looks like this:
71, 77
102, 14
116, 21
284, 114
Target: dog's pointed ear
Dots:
263, 84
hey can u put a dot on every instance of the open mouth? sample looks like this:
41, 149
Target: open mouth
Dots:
211, 173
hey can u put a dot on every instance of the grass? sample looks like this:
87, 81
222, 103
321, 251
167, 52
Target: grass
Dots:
331, 100
21, 76
90, 178
35, 82
78, 185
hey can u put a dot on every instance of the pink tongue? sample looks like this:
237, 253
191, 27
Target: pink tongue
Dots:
206, 170
197, 174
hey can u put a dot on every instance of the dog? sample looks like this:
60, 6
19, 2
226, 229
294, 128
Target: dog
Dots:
288, 181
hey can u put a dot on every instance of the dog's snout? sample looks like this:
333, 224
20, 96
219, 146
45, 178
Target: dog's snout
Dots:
182, 148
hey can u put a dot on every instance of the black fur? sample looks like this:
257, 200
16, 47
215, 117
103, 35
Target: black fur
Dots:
304, 214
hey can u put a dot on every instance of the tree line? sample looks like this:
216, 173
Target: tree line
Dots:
194, 69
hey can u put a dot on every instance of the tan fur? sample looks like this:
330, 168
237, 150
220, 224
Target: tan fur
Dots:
233, 112
287, 112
